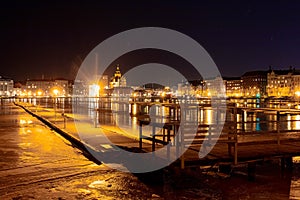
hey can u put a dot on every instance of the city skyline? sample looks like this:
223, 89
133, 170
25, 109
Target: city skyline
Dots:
52, 39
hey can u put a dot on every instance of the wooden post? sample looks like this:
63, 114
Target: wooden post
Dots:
278, 127
64, 117
153, 138
182, 145
235, 153
182, 162
176, 139
235, 136
141, 135
169, 142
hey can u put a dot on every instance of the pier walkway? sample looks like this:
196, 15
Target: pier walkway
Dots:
232, 147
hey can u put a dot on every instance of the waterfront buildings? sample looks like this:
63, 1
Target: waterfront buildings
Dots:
6, 86
234, 86
47, 87
254, 83
284, 83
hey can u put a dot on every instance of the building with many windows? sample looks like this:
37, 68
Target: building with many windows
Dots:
46, 87
295, 86
280, 83
6, 86
234, 86
254, 83
284, 83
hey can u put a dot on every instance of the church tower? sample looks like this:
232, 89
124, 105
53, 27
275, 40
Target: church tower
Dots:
117, 80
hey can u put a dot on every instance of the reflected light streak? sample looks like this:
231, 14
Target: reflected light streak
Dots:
289, 124
209, 116
134, 109
298, 122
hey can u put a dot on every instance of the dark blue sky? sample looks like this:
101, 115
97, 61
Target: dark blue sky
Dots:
53, 37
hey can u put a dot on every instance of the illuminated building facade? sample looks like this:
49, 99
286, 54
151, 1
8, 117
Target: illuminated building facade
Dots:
6, 86
234, 86
46, 87
63, 86
117, 80
255, 83
284, 83
213, 87
296, 84
280, 83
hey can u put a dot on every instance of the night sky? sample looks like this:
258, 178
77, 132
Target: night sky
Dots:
52, 38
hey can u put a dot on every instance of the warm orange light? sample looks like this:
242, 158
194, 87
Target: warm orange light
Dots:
55, 92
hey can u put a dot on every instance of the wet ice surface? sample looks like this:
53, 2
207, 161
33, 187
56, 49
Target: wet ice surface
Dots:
35, 162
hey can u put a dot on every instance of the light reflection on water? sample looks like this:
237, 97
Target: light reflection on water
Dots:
126, 114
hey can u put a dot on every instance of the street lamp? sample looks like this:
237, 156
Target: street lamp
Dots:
55, 92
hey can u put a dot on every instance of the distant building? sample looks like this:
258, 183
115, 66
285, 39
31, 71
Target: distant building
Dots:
80, 88
39, 87
234, 86
47, 87
6, 86
296, 84
117, 80
280, 83
255, 83
185, 89
213, 87
63, 86
284, 83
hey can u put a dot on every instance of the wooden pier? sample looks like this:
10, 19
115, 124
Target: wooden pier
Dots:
234, 146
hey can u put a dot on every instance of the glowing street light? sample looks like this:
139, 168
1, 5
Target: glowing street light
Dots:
39, 93
55, 92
